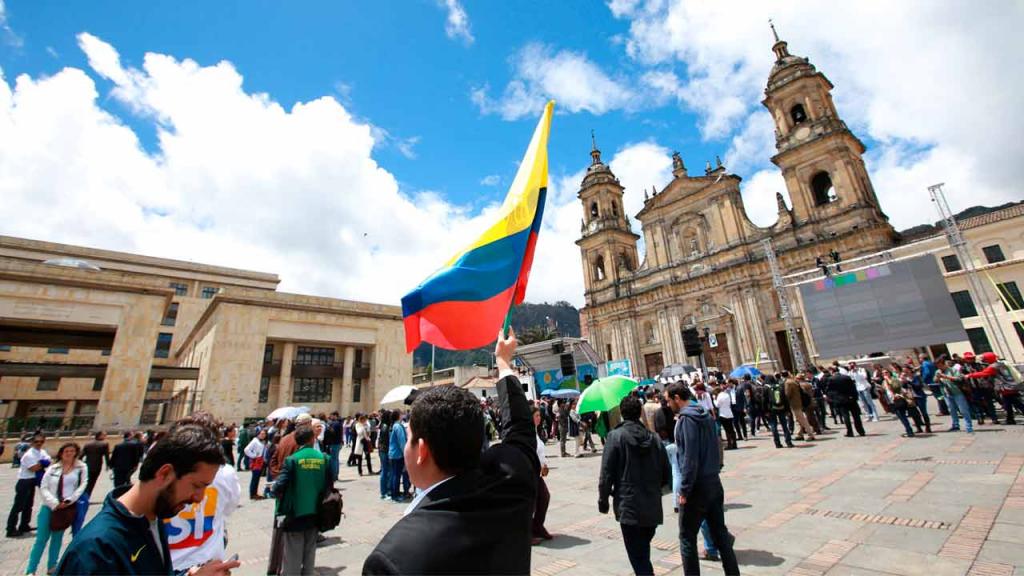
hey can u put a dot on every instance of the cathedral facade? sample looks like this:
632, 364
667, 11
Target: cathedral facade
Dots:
704, 265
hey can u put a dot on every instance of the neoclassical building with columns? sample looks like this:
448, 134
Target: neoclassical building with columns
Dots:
704, 264
100, 339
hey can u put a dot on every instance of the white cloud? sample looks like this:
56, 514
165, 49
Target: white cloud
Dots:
935, 75
570, 78
491, 180
6, 32
456, 25
236, 179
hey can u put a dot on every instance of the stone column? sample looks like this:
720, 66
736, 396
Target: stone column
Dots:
346, 380
131, 358
284, 388
668, 353
69, 413
675, 325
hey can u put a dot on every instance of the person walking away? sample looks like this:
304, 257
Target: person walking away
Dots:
197, 534
287, 446
563, 427
474, 508
299, 490
845, 391
228, 444
725, 416
794, 395
383, 442
778, 408
701, 496
127, 536
1006, 380
818, 385
63, 483
739, 409
651, 407
254, 452
96, 454
396, 458
901, 399
333, 437
810, 403
586, 439
634, 468
125, 459
354, 452
33, 461
758, 405
540, 511
954, 388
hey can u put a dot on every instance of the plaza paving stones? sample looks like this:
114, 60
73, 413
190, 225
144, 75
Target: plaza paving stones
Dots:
939, 504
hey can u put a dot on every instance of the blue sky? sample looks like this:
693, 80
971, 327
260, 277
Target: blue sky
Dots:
351, 146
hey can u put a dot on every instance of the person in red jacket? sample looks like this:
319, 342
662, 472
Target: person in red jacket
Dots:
1006, 381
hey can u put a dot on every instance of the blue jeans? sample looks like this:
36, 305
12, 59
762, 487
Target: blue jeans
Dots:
385, 478
335, 453
43, 536
958, 405
398, 475
869, 403
677, 475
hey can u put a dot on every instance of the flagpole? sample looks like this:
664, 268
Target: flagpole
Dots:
433, 368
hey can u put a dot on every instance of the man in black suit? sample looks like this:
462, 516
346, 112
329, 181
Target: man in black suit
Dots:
473, 511
845, 391
125, 459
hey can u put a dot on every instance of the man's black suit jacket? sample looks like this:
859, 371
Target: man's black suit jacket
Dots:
477, 522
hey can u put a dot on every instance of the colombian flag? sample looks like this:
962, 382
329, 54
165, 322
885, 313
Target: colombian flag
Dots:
464, 304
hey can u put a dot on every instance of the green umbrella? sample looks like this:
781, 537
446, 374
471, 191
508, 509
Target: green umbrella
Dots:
605, 394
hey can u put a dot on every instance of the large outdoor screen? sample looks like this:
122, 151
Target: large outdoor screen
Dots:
891, 306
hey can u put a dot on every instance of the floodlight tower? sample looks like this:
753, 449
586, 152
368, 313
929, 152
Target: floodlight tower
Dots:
974, 285
799, 359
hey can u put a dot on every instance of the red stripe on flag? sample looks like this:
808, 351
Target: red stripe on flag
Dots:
458, 325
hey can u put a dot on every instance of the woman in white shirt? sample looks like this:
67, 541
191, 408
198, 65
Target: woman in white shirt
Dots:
254, 452
723, 402
363, 445
63, 484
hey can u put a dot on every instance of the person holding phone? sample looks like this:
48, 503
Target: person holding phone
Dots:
63, 484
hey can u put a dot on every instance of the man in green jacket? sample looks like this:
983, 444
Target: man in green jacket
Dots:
299, 490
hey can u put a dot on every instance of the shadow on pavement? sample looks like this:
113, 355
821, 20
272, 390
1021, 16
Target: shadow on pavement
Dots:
563, 542
758, 558
330, 541
737, 506
322, 571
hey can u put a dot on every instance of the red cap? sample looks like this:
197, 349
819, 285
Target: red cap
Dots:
989, 358
968, 355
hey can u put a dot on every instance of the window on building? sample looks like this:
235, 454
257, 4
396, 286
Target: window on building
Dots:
594, 212
209, 292
105, 352
608, 352
993, 253
599, 273
797, 114
97, 384
172, 315
615, 209
308, 355
5, 347
964, 305
264, 390
1019, 328
821, 186
57, 350
180, 289
268, 354
1010, 295
154, 385
951, 263
163, 345
48, 384
311, 389
357, 390
979, 340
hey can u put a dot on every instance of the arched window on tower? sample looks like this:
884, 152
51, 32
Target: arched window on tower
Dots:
625, 261
599, 268
798, 114
615, 209
824, 192
594, 212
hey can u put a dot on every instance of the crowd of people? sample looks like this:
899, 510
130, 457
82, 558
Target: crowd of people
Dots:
465, 492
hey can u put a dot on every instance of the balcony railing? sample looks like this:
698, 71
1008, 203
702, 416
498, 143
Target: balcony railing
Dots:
303, 370
271, 369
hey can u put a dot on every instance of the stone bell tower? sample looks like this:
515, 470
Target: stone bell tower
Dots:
607, 243
820, 159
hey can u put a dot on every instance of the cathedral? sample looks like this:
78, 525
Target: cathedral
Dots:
704, 264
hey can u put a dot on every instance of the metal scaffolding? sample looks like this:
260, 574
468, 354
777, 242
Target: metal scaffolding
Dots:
795, 344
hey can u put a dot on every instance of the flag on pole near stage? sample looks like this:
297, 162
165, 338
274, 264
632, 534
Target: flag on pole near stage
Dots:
464, 304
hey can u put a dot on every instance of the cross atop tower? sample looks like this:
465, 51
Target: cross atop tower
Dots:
780, 49
774, 33
595, 154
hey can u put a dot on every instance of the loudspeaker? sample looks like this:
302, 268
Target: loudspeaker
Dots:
691, 342
568, 367
557, 348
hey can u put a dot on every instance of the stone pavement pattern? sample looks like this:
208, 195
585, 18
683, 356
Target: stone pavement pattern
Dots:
944, 504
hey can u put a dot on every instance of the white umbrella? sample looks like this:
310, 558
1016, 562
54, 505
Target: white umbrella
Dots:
397, 394
288, 412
